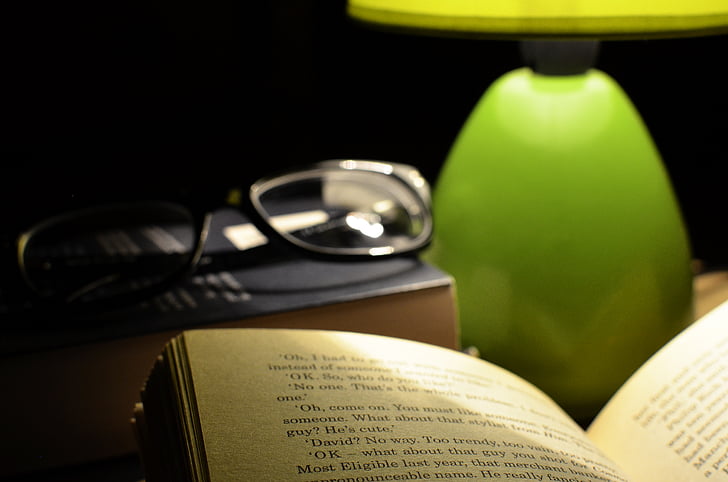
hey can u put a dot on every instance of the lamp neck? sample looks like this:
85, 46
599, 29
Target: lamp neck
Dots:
556, 57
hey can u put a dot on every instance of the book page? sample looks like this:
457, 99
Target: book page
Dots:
670, 420
331, 406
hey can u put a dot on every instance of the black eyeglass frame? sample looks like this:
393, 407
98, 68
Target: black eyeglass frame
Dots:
201, 212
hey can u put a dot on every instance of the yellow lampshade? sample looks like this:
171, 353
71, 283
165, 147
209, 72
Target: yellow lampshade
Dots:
600, 19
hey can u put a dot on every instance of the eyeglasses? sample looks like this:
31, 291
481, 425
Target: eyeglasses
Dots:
121, 253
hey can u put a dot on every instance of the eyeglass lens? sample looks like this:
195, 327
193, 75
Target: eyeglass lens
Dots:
340, 211
107, 251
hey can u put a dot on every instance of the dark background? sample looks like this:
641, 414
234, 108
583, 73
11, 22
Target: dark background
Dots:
100, 95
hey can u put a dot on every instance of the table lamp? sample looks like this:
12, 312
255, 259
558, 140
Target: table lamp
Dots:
553, 210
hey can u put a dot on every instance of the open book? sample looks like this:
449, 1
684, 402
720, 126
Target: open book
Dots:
313, 405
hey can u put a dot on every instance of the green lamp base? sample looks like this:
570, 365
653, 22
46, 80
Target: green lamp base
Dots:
556, 218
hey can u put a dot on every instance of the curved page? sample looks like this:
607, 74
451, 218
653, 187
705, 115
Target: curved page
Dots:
670, 420
322, 406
